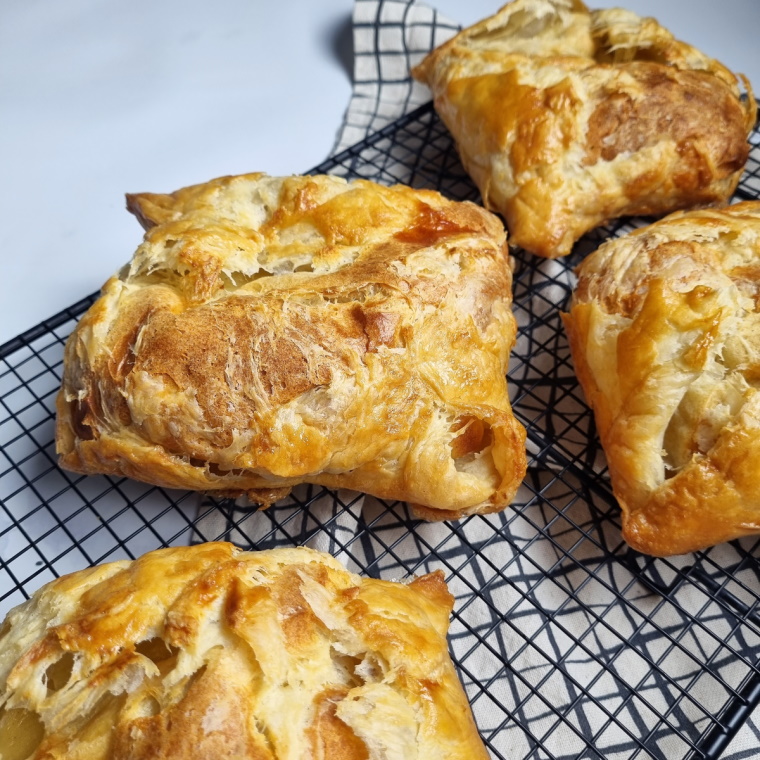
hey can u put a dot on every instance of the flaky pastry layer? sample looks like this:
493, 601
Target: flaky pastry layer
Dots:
210, 652
566, 117
665, 337
276, 331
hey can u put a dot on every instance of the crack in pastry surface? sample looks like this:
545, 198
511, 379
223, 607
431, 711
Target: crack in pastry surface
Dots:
663, 330
274, 331
566, 118
207, 651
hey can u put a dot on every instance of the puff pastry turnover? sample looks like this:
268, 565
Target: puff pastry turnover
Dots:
275, 331
665, 336
566, 117
209, 652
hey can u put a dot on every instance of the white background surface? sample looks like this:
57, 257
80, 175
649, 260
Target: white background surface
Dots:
103, 97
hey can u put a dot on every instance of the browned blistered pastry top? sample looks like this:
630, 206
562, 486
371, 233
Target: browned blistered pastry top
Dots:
566, 117
665, 335
209, 652
276, 331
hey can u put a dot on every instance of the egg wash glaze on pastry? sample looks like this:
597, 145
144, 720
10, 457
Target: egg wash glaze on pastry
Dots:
566, 118
276, 331
210, 652
665, 336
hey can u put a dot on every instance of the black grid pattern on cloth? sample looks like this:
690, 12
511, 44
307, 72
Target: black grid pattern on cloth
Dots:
390, 38
569, 644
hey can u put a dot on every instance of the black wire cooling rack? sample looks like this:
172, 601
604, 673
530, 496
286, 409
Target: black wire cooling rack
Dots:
570, 645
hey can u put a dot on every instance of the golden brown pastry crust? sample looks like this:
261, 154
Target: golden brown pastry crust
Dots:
273, 331
566, 117
664, 331
210, 652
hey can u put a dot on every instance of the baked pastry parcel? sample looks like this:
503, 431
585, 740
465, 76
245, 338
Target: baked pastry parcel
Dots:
665, 336
276, 331
209, 652
566, 117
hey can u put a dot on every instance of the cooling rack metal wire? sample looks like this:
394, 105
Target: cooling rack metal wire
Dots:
570, 645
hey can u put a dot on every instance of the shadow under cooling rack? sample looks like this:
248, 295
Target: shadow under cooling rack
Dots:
569, 644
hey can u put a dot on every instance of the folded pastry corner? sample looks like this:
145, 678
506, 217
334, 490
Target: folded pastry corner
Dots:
566, 118
276, 331
208, 651
664, 330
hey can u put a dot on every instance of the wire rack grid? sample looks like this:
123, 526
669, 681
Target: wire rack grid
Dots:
569, 644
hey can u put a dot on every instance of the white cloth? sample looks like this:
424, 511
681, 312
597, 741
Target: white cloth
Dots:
390, 37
